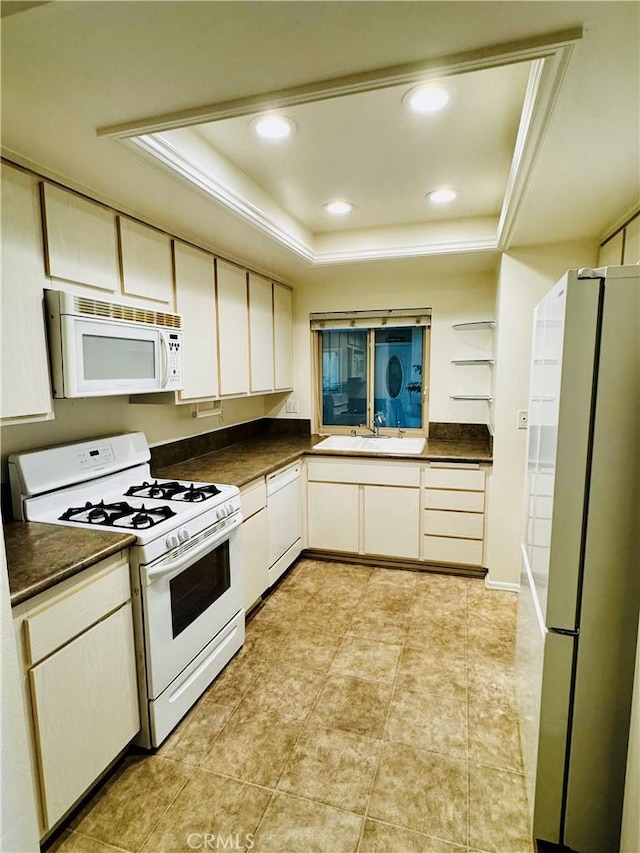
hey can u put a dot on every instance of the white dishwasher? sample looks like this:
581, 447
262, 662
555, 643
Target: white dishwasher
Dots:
283, 519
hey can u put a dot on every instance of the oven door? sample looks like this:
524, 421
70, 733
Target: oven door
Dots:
188, 597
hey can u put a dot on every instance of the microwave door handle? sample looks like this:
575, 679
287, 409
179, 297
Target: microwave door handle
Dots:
166, 568
164, 361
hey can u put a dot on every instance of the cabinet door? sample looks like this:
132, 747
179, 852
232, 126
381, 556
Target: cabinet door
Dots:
86, 710
196, 301
81, 240
255, 570
146, 261
283, 336
261, 333
24, 386
391, 521
333, 516
233, 328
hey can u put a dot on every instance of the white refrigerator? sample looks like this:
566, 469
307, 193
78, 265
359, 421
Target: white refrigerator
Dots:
580, 594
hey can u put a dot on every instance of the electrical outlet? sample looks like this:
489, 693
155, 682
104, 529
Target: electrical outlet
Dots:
292, 407
523, 418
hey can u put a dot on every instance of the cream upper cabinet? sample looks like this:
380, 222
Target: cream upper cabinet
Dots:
196, 301
233, 328
261, 333
24, 386
81, 240
146, 261
283, 336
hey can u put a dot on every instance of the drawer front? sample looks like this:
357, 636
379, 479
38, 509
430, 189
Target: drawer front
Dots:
253, 498
455, 478
60, 620
441, 549
450, 499
353, 472
468, 525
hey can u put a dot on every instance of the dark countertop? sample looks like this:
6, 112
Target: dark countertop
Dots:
239, 464
41, 555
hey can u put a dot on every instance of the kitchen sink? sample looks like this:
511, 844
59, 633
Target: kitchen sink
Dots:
371, 444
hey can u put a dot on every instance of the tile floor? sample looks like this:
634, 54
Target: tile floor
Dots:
370, 710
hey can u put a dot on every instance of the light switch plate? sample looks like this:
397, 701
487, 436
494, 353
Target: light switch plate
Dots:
292, 407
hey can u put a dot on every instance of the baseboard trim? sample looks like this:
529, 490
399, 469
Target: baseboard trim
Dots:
503, 585
457, 570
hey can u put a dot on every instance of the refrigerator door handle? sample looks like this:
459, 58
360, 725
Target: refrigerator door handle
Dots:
566, 632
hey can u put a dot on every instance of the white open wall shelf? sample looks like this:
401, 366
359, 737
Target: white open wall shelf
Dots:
476, 325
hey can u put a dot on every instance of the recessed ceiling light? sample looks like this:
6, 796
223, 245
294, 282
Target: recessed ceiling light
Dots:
338, 208
273, 126
442, 196
427, 98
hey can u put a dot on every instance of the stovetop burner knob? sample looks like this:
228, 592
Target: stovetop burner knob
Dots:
172, 541
183, 534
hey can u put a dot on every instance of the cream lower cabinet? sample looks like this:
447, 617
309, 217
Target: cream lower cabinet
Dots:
454, 501
333, 516
391, 517
254, 542
363, 507
79, 673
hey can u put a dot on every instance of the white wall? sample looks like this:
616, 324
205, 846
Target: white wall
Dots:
18, 822
454, 296
525, 276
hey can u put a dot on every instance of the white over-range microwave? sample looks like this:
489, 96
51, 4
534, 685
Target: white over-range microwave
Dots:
100, 348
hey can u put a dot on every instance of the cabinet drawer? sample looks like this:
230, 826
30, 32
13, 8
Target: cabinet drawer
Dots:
444, 550
455, 478
469, 525
63, 618
353, 472
450, 499
253, 498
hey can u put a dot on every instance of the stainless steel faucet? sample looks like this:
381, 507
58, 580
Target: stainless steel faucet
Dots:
378, 421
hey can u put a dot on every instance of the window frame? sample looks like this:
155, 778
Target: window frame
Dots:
317, 374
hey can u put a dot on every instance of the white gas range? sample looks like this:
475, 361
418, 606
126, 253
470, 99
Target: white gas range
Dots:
185, 566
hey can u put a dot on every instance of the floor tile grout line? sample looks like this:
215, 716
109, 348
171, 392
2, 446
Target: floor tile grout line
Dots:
106, 844
156, 824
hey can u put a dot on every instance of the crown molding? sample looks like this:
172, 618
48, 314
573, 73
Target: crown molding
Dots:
549, 56
414, 72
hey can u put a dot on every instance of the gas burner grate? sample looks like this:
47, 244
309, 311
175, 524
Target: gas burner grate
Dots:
173, 491
118, 514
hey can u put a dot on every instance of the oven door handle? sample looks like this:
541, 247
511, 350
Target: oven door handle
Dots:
166, 568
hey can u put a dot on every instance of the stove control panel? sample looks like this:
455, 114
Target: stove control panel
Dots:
99, 455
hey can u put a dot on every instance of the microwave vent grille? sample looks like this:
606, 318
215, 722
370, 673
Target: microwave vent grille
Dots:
86, 307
